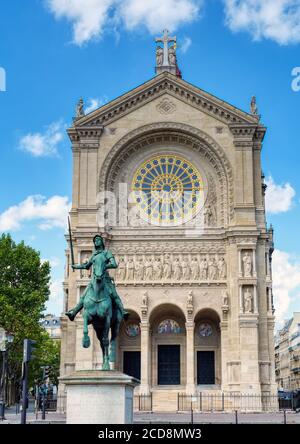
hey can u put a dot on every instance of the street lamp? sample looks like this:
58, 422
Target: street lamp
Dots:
5, 339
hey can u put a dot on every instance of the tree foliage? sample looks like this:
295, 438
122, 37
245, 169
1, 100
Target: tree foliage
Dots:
24, 290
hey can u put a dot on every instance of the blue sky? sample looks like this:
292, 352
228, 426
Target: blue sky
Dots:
55, 51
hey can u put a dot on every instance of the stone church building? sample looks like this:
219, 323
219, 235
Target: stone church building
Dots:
172, 178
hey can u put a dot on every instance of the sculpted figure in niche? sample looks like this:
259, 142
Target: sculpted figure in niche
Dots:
247, 265
157, 269
177, 269
195, 269
248, 301
148, 269
139, 270
159, 56
121, 274
130, 270
167, 267
222, 271
185, 269
212, 269
203, 269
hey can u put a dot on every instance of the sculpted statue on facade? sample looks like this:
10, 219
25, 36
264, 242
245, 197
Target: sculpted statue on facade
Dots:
167, 267
208, 216
159, 56
185, 267
121, 272
157, 269
222, 268
212, 269
80, 108
130, 270
85, 273
145, 299
195, 269
247, 261
225, 297
203, 269
148, 269
177, 269
172, 56
248, 301
139, 270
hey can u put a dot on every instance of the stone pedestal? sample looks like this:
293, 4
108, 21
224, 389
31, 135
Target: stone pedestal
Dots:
99, 397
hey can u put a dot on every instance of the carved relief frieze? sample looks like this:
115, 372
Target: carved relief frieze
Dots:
171, 268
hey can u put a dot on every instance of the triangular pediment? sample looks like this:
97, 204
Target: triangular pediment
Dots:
166, 83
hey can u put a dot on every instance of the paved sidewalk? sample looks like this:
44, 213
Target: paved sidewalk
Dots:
174, 418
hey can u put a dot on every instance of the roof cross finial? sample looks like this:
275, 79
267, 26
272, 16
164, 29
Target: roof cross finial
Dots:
166, 56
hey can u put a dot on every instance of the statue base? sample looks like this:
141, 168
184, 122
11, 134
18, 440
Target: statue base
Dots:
99, 397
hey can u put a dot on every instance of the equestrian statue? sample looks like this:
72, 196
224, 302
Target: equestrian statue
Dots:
101, 304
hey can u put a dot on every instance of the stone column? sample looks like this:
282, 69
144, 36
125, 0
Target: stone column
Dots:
250, 381
224, 355
190, 358
145, 358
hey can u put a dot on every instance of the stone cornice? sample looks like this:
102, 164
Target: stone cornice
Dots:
85, 134
248, 136
158, 86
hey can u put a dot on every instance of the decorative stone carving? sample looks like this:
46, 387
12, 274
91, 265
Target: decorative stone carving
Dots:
247, 262
166, 106
188, 268
248, 301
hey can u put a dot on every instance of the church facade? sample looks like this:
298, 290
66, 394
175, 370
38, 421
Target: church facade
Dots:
172, 178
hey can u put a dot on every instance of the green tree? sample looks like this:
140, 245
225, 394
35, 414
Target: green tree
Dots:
24, 290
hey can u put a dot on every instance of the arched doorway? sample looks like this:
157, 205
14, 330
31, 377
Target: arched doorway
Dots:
167, 323
207, 345
130, 346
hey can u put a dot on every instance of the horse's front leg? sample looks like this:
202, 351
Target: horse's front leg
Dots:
86, 342
105, 342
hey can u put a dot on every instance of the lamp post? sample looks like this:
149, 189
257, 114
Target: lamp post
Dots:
5, 339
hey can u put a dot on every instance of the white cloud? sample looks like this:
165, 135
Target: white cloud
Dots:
278, 20
94, 103
43, 144
279, 198
53, 261
157, 15
186, 43
90, 18
55, 303
49, 213
286, 283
